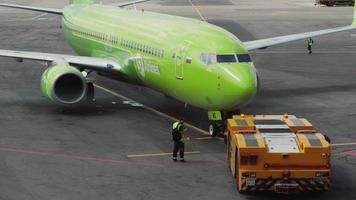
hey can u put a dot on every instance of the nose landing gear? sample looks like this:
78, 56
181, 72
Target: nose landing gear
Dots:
216, 128
217, 119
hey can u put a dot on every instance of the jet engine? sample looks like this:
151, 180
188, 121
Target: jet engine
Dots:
64, 84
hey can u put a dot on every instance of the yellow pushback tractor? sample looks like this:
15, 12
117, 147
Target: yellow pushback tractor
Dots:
280, 153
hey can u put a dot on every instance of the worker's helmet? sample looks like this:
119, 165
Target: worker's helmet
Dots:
181, 120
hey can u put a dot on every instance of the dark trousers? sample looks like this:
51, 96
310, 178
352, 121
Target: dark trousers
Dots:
178, 146
309, 48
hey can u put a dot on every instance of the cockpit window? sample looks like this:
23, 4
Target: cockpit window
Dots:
243, 58
210, 59
230, 58
204, 58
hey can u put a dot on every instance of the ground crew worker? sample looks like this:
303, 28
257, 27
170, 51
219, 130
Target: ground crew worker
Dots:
179, 139
310, 43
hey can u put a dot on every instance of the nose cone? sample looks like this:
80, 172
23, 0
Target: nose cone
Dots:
238, 84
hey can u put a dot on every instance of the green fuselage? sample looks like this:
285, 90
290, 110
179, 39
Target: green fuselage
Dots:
164, 52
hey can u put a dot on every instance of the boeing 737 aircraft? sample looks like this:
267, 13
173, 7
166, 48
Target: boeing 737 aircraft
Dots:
193, 61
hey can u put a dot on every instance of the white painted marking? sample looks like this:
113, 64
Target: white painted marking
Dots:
41, 15
134, 104
272, 126
38, 18
43, 19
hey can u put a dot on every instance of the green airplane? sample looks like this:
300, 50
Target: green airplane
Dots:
193, 61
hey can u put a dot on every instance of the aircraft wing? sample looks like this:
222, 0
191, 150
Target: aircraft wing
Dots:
60, 11
39, 9
91, 63
128, 3
264, 43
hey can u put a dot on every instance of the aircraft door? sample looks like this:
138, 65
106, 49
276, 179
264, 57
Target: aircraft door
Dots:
179, 63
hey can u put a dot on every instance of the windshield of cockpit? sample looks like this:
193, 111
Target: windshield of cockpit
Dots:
210, 58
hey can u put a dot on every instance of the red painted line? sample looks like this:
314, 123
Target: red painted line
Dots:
347, 153
112, 161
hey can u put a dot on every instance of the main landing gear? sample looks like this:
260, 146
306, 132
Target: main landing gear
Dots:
90, 92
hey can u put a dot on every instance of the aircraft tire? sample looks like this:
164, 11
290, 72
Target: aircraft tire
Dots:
214, 129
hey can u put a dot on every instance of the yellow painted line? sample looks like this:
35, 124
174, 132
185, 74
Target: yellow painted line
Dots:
204, 138
159, 154
151, 109
343, 144
197, 10
209, 138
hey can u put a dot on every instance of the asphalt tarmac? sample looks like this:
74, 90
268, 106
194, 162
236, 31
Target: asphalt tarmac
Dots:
104, 150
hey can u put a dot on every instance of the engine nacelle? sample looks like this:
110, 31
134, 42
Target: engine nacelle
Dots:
64, 84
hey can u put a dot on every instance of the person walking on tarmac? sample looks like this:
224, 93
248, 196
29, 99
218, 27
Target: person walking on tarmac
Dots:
179, 139
310, 43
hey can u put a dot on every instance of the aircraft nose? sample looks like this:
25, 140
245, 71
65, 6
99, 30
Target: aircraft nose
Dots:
239, 84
